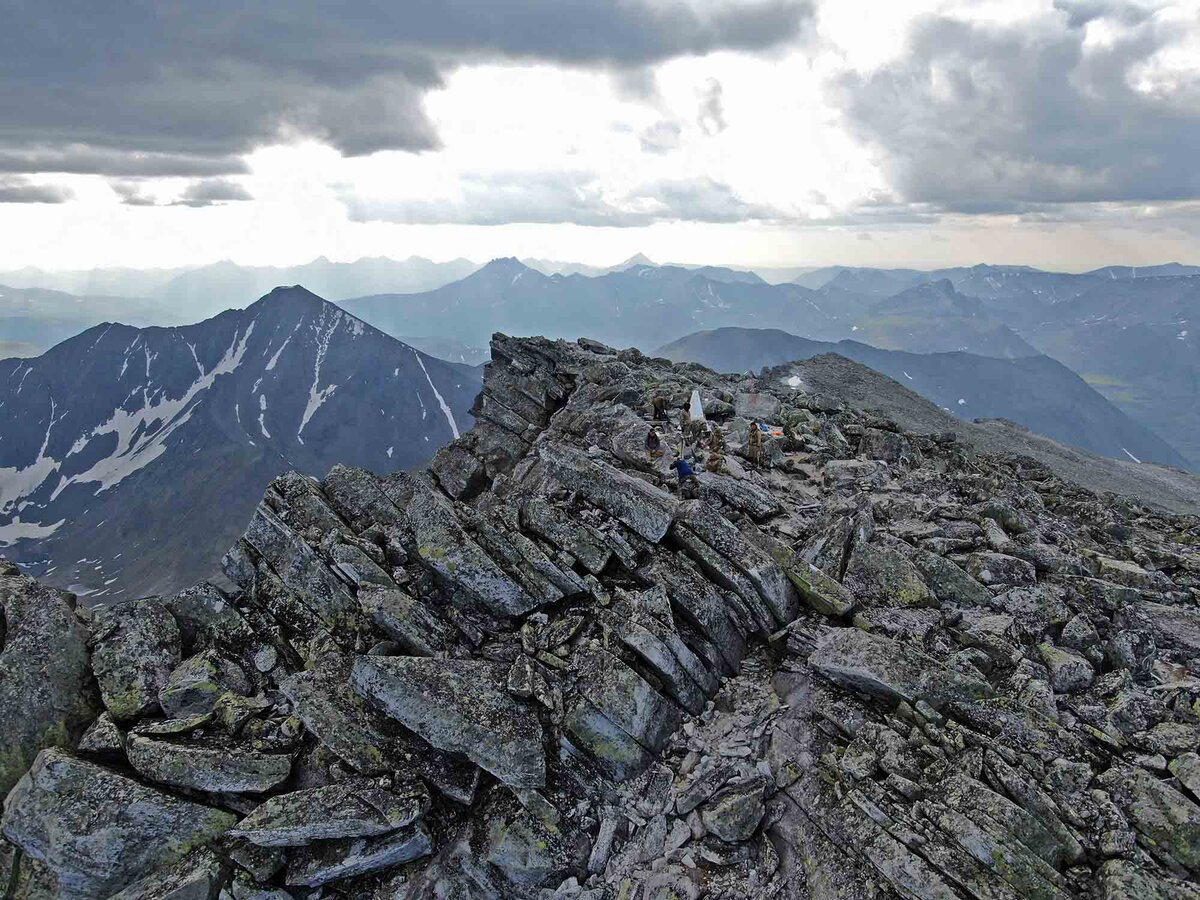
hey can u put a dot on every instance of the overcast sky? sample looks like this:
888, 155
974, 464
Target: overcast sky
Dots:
753, 132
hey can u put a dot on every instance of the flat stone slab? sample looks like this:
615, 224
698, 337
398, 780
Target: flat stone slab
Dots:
99, 831
369, 741
647, 510
349, 809
213, 768
333, 860
887, 669
461, 706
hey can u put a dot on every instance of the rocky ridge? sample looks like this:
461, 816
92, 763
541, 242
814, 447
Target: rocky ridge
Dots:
869, 663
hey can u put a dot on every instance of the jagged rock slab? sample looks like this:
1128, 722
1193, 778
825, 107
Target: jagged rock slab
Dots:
301, 570
213, 768
445, 547
645, 509
47, 692
198, 876
460, 706
334, 860
351, 809
406, 620
97, 830
368, 740
884, 668
626, 699
136, 645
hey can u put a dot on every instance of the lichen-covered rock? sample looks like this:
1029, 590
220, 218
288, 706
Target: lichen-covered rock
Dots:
626, 699
444, 546
949, 582
368, 740
195, 684
879, 576
103, 739
136, 647
327, 861
406, 620
350, 809
999, 568
47, 693
1168, 820
198, 876
734, 812
647, 510
205, 765
459, 706
1069, 672
99, 831
207, 618
885, 668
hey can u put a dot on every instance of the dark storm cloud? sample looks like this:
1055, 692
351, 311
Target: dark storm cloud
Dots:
189, 86
982, 118
563, 197
88, 160
211, 192
15, 189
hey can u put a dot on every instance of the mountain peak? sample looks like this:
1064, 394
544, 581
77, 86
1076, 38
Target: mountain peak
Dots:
638, 259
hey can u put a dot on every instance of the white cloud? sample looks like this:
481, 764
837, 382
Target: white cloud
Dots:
729, 156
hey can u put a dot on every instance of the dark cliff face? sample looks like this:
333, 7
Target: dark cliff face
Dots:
846, 655
131, 455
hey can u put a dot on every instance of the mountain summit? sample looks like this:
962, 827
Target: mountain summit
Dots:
841, 658
166, 435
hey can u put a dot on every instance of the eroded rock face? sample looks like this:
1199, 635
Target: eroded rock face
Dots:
459, 706
47, 692
856, 663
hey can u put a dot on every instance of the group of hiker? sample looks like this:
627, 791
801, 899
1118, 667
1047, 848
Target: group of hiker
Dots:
697, 432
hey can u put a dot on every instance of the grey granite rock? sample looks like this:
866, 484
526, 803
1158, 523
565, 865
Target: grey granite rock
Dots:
461, 707
47, 693
99, 831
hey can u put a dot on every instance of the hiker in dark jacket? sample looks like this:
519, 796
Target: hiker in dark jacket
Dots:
688, 483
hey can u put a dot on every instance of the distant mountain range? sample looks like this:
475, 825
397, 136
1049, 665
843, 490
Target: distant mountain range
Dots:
641, 305
1128, 331
38, 308
1036, 392
167, 437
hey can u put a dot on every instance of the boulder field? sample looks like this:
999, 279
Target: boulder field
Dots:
841, 662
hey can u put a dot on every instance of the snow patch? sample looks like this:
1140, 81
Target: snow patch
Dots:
142, 433
262, 407
441, 402
15, 483
316, 398
275, 358
961, 401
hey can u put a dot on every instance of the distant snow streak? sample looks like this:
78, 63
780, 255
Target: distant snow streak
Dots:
441, 402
